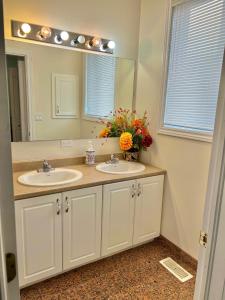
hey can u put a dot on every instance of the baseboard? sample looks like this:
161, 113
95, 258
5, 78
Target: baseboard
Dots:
191, 259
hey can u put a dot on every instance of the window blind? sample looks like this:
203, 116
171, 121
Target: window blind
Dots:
100, 84
195, 60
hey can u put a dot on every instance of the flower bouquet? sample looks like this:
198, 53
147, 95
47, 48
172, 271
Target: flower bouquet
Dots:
132, 131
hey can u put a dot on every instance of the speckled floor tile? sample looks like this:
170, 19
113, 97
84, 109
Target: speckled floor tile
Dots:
133, 274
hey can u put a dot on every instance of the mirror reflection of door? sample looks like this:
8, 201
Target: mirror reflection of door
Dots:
17, 98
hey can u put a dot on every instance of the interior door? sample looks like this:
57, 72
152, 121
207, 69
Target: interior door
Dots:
10, 286
81, 226
211, 273
39, 237
118, 214
148, 208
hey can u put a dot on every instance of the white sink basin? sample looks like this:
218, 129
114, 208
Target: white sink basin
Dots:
122, 167
54, 177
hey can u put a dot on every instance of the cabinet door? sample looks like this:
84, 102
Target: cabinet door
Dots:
81, 226
148, 207
118, 213
39, 238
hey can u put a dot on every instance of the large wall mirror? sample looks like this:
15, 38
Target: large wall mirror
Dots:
59, 93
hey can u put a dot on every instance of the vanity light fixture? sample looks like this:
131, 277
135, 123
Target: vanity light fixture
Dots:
51, 35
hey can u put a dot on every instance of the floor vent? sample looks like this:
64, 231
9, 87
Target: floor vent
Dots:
179, 272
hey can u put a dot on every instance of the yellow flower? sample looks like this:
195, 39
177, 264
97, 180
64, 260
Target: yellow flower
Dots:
104, 132
126, 141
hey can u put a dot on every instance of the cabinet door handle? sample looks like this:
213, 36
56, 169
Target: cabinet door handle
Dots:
139, 189
67, 205
58, 209
133, 191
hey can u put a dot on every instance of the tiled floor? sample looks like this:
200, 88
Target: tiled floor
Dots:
134, 274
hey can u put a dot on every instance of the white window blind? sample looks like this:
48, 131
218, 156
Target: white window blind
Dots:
195, 60
100, 85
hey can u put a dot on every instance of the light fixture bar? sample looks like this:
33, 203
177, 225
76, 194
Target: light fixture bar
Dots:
46, 34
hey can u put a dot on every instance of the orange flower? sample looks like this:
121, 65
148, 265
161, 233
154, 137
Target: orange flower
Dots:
126, 141
137, 123
104, 133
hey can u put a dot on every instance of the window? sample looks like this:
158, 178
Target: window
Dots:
194, 67
99, 85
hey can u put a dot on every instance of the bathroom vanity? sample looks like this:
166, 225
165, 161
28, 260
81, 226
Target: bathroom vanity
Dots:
64, 227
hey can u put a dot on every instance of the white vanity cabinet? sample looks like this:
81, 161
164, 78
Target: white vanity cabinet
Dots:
131, 213
39, 238
118, 216
148, 208
58, 232
82, 212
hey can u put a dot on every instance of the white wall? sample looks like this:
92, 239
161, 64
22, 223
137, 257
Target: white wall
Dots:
186, 161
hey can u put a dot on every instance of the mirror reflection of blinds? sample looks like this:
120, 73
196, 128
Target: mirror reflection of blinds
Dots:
195, 60
100, 85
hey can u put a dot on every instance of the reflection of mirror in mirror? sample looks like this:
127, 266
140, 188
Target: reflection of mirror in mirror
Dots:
61, 94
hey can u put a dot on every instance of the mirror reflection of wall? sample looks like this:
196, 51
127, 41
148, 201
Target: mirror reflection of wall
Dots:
61, 94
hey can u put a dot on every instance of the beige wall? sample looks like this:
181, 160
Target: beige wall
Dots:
186, 161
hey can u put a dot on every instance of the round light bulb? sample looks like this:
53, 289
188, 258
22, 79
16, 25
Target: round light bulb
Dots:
111, 45
96, 42
81, 39
26, 28
64, 35
46, 32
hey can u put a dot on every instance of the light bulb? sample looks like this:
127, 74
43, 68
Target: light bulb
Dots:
111, 45
95, 42
64, 35
26, 28
58, 39
81, 39
44, 33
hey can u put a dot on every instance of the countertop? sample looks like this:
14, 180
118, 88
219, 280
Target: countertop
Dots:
91, 177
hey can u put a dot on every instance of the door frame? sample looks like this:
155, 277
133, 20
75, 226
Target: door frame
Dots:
10, 50
9, 290
214, 196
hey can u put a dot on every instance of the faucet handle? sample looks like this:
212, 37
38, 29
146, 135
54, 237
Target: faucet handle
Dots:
113, 156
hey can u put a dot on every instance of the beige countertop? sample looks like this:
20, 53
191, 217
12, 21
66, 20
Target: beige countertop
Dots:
91, 177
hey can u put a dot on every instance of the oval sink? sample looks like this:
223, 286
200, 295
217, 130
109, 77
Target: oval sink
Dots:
121, 167
54, 177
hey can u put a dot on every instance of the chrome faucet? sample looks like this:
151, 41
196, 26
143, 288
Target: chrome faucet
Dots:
113, 160
46, 167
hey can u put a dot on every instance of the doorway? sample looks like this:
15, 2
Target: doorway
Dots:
16, 74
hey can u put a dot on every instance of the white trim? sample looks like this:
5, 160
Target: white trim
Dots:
213, 199
186, 134
162, 129
177, 2
29, 82
167, 30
